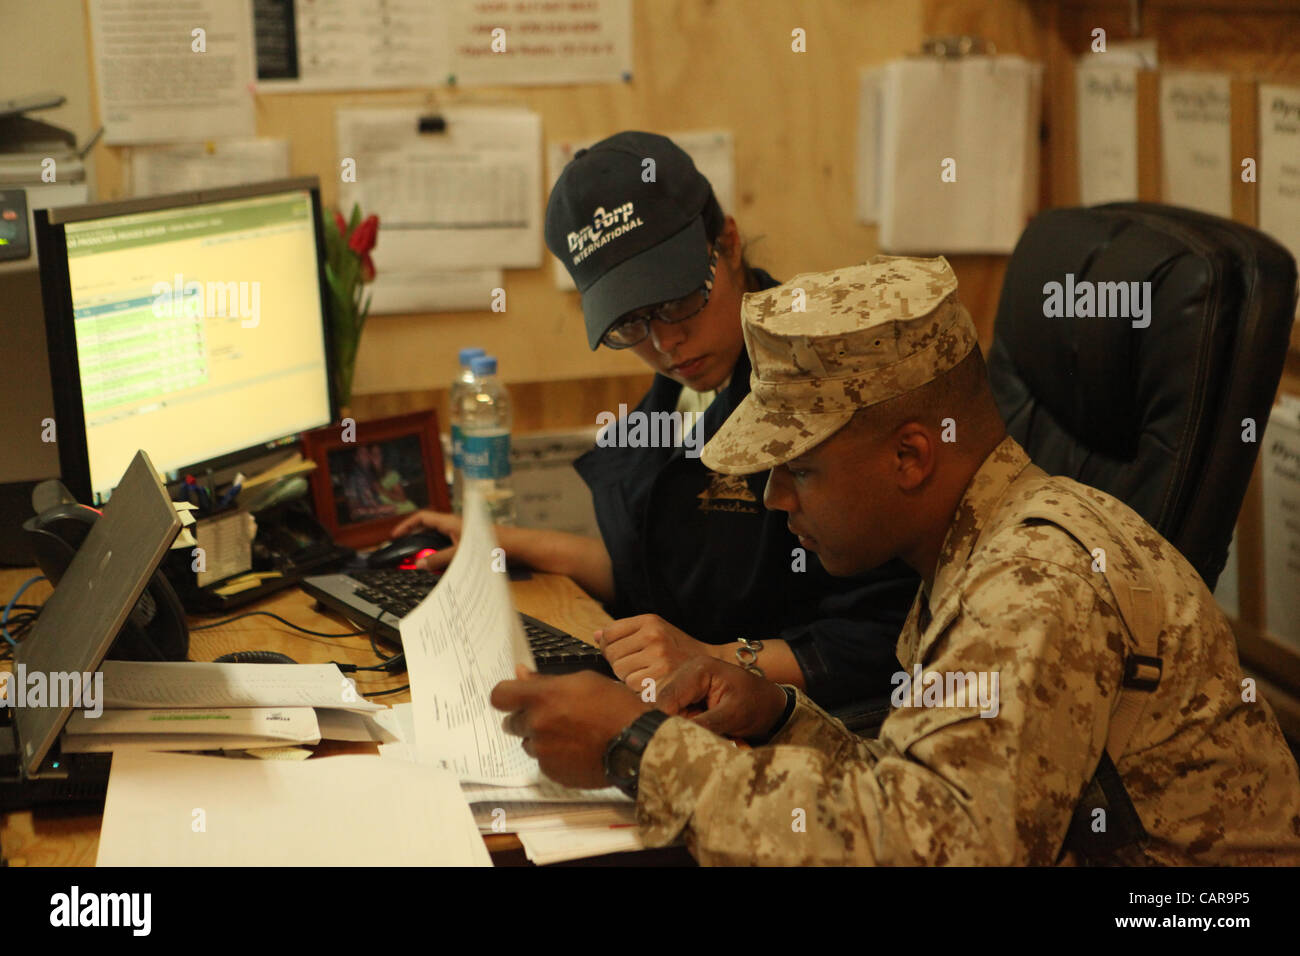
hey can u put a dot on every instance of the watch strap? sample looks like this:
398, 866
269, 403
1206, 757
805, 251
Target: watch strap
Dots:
633, 740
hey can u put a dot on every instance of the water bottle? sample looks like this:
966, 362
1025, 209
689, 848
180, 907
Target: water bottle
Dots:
462, 386
485, 440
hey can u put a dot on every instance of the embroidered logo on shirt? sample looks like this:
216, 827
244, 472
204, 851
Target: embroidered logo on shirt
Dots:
728, 493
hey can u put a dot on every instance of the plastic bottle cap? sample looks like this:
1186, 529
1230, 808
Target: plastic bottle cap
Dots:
468, 355
483, 365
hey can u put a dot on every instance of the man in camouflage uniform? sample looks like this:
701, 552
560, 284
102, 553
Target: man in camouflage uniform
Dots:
1092, 642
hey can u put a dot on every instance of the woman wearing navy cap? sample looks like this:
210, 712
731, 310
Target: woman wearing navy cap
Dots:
689, 561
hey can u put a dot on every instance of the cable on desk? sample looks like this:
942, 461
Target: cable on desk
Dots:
13, 601
394, 665
305, 630
381, 693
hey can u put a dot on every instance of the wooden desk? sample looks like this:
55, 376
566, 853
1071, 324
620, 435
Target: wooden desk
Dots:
53, 838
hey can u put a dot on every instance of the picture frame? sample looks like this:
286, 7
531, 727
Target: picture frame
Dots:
392, 467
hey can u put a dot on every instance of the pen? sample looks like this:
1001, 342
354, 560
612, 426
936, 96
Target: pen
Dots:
232, 492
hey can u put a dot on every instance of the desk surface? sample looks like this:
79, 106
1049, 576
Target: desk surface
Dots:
60, 839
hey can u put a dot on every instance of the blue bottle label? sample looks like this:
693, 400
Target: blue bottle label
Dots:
485, 456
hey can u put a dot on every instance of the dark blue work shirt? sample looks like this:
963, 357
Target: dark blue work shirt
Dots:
700, 550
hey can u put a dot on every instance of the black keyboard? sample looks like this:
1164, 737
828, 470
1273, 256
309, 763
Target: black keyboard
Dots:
398, 591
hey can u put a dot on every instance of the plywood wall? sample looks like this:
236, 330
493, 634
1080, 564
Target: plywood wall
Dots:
699, 64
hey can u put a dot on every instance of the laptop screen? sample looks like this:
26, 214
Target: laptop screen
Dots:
78, 623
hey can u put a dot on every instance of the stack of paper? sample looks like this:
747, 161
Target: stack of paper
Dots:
184, 810
199, 706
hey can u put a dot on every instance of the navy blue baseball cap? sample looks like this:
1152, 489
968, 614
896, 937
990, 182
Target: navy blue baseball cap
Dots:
628, 217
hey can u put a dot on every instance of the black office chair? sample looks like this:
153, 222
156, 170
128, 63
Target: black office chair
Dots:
1153, 416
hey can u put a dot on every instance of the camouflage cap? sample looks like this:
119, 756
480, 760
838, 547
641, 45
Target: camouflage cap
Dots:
825, 344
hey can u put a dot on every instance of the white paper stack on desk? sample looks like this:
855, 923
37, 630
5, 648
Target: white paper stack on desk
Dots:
200, 706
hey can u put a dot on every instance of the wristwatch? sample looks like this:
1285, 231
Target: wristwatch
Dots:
623, 755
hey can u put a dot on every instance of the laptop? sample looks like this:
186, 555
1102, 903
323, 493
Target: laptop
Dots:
378, 599
75, 629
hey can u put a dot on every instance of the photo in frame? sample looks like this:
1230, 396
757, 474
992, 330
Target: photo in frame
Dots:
364, 487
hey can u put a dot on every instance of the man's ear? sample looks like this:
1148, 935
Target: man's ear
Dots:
730, 241
914, 448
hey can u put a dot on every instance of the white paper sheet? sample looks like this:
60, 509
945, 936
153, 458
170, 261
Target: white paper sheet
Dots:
713, 151
357, 44
194, 684
406, 291
380, 726
227, 728
1106, 97
468, 197
870, 145
157, 170
153, 85
460, 642
1280, 467
176, 810
540, 43
1279, 164
558, 846
1195, 140
517, 817
958, 155
540, 791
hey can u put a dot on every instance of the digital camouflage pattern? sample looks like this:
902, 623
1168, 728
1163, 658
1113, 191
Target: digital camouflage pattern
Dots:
825, 344
1208, 772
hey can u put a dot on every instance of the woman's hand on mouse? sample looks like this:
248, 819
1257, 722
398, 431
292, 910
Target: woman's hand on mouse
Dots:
440, 521
647, 646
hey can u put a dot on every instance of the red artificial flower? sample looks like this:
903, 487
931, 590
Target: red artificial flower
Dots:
362, 241
340, 224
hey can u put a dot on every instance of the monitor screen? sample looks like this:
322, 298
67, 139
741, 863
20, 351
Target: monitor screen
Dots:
197, 327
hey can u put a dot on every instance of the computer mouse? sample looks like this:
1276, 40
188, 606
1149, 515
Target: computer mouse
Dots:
404, 552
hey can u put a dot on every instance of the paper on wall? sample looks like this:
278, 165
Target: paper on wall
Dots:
1195, 141
712, 150
1279, 164
351, 44
468, 197
498, 44
1106, 94
871, 109
447, 290
1280, 468
956, 155
155, 84
157, 170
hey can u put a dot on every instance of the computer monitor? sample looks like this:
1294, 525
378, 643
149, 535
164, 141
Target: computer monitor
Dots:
193, 326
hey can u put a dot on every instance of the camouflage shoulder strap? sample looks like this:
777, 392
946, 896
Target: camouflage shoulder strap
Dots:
1140, 602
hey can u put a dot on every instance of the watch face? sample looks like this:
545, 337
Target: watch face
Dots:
624, 763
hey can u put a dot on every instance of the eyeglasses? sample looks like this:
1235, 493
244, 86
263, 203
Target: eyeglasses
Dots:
634, 327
